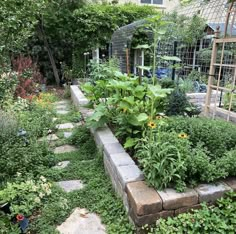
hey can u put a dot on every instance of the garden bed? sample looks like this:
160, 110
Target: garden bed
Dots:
144, 204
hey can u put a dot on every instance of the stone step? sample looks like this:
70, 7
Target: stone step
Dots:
62, 165
51, 137
62, 112
65, 126
70, 185
82, 222
67, 134
64, 149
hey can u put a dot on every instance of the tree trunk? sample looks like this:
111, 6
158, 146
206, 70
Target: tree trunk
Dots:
50, 55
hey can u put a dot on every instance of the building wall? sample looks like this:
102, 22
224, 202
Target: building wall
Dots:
168, 5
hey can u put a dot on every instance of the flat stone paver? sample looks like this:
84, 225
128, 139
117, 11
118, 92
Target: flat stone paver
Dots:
67, 134
62, 165
62, 112
65, 126
63, 102
70, 185
82, 222
51, 137
64, 149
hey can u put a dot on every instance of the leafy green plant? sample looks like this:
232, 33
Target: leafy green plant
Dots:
163, 159
177, 104
214, 219
8, 126
103, 70
17, 157
125, 103
217, 136
24, 197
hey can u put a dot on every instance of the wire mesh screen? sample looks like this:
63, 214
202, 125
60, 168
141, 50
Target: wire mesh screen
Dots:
196, 59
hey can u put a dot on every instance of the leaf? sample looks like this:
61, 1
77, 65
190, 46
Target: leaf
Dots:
146, 46
130, 142
142, 117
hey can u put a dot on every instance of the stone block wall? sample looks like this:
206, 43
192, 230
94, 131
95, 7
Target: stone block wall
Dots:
144, 204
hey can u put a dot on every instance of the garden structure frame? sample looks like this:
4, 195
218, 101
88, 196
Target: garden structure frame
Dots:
212, 57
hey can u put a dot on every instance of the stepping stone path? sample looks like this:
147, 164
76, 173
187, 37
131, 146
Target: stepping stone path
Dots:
62, 165
67, 134
70, 185
82, 222
62, 112
64, 149
65, 126
51, 137
62, 107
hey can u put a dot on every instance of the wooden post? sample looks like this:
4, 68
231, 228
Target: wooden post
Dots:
211, 74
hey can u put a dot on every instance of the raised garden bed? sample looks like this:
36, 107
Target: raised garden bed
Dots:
144, 204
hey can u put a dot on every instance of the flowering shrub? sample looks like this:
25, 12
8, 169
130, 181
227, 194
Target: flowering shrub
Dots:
45, 100
28, 76
24, 197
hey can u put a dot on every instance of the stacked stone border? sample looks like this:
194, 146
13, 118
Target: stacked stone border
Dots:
144, 204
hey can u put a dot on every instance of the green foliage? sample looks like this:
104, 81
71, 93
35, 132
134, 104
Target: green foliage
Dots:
120, 101
103, 70
8, 82
8, 126
214, 219
24, 197
186, 29
188, 151
18, 19
81, 138
163, 159
217, 136
36, 121
178, 104
17, 157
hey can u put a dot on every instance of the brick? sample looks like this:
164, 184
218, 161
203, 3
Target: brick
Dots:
211, 192
174, 200
104, 136
143, 199
122, 159
231, 182
149, 219
187, 209
128, 174
113, 148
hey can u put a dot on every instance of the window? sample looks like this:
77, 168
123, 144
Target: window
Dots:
160, 2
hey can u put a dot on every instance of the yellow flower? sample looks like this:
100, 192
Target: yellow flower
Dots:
152, 125
183, 135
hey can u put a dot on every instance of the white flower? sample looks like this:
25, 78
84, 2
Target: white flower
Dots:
49, 191
41, 195
34, 188
43, 178
18, 174
37, 200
